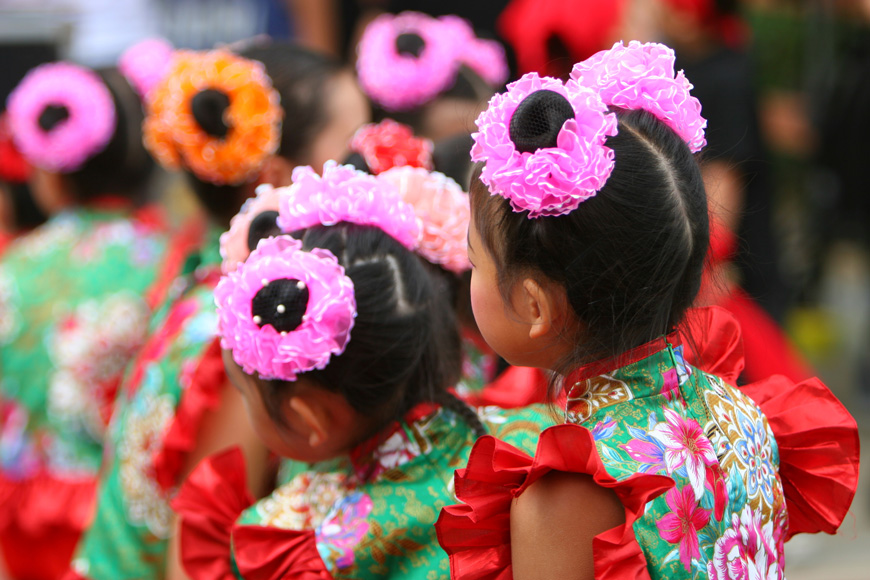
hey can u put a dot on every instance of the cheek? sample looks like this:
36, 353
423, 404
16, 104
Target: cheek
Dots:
484, 302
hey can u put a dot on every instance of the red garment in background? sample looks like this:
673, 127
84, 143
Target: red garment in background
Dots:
583, 27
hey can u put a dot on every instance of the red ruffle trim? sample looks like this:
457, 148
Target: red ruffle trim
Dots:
209, 503
819, 451
818, 441
476, 534
201, 396
45, 501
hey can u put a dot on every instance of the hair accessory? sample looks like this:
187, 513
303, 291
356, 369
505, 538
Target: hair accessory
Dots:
391, 144
61, 115
443, 208
543, 144
484, 57
641, 76
406, 60
248, 132
13, 167
344, 194
146, 63
258, 215
285, 311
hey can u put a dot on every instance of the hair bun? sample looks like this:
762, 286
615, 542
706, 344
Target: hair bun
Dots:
264, 225
215, 114
537, 120
209, 109
52, 116
281, 303
410, 44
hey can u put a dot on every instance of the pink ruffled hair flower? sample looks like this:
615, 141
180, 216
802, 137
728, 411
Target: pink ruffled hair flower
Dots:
485, 57
146, 63
543, 144
444, 210
641, 76
61, 115
405, 60
285, 311
236, 243
343, 194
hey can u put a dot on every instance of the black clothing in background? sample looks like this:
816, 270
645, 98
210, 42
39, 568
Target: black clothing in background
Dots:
723, 82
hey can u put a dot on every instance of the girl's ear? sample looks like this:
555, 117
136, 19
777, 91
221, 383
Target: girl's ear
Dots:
314, 418
544, 308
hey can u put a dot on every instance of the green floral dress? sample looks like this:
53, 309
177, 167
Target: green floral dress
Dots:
176, 378
693, 460
76, 296
366, 515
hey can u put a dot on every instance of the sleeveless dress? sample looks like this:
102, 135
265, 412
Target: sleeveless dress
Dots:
366, 515
711, 486
76, 296
174, 380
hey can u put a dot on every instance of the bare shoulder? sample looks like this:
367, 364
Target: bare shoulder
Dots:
553, 523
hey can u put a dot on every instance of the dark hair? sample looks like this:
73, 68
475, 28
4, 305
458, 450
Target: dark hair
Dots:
403, 348
300, 76
630, 258
123, 166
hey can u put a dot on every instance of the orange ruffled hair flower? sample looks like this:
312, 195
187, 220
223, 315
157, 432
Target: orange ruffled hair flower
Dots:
252, 117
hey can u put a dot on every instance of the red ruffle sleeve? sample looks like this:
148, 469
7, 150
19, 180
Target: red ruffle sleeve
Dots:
817, 437
819, 451
210, 502
202, 395
476, 534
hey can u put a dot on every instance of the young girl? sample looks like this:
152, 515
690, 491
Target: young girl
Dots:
76, 295
433, 74
230, 122
588, 237
335, 339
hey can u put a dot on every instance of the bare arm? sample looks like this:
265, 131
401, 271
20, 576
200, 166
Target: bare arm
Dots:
227, 426
553, 523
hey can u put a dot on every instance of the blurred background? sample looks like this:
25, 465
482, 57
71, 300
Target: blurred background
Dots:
785, 85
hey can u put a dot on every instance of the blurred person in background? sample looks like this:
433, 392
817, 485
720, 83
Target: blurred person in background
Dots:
230, 122
744, 274
76, 295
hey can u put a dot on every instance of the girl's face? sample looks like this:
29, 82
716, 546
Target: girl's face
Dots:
339, 427
499, 323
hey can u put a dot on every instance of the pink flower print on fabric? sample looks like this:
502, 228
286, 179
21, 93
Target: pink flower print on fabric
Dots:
444, 211
641, 76
552, 180
234, 242
344, 194
687, 446
718, 485
325, 327
671, 388
84, 133
397, 81
648, 451
681, 526
747, 550
604, 429
343, 529
145, 64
